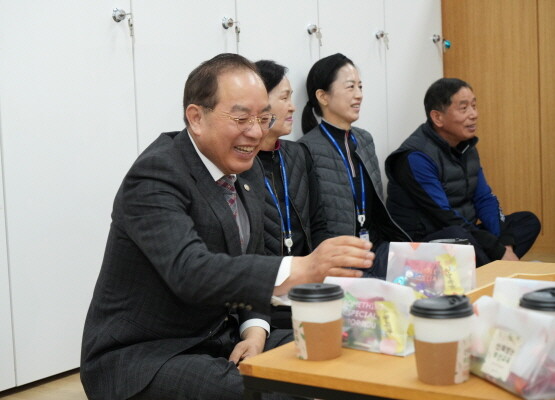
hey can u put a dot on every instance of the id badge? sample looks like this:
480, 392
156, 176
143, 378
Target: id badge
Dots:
363, 234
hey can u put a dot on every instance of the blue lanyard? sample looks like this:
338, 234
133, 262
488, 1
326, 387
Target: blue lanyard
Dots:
361, 212
288, 241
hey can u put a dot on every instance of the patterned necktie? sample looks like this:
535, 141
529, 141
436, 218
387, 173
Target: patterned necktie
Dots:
227, 182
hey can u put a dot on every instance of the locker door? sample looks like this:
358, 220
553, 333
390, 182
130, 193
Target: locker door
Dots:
280, 33
68, 137
171, 39
414, 62
351, 30
7, 367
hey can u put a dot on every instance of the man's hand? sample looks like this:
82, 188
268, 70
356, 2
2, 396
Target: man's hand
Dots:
329, 259
252, 344
510, 254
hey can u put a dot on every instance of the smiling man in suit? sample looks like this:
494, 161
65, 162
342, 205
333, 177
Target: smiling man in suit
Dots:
183, 294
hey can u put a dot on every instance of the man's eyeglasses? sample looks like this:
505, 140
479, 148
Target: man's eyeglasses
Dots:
245, 122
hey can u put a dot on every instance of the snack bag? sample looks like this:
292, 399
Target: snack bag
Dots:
514, 348
432, 269
376, 315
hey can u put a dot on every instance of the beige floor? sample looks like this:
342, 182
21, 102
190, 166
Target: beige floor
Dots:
68, 386
61, 387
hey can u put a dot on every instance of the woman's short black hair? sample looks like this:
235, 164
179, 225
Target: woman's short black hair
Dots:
271, 72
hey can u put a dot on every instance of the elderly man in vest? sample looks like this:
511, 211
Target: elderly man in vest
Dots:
437, 189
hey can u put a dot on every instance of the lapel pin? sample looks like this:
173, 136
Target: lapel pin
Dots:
247, 187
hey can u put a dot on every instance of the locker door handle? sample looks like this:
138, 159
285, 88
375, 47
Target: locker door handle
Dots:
119, 15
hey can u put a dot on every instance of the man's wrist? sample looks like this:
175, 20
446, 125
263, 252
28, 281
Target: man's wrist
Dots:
288, 265
255, 322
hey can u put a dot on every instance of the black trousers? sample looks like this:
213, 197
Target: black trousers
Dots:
524, 225
204, 372
281, 317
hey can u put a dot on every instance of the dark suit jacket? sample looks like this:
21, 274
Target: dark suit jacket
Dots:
173, 271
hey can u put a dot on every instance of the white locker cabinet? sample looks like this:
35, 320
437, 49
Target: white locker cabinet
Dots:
351, 30
7, 367
390, 41
414, 62
280, 33
171, 39
68, 137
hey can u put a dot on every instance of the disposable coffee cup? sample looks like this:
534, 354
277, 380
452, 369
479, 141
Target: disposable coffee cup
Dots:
542, 301
317, 323
442, 327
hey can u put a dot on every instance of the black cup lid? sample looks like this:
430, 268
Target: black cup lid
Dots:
316, 292
442, 307
541, 300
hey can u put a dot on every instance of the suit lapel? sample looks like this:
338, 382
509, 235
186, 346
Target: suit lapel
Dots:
250, 186
252, 203
213, 195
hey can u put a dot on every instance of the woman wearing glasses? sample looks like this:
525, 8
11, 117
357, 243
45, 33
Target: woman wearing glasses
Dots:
345, 160
293, 224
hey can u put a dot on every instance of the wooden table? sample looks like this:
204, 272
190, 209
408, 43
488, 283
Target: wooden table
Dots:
487, 274
359, 375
